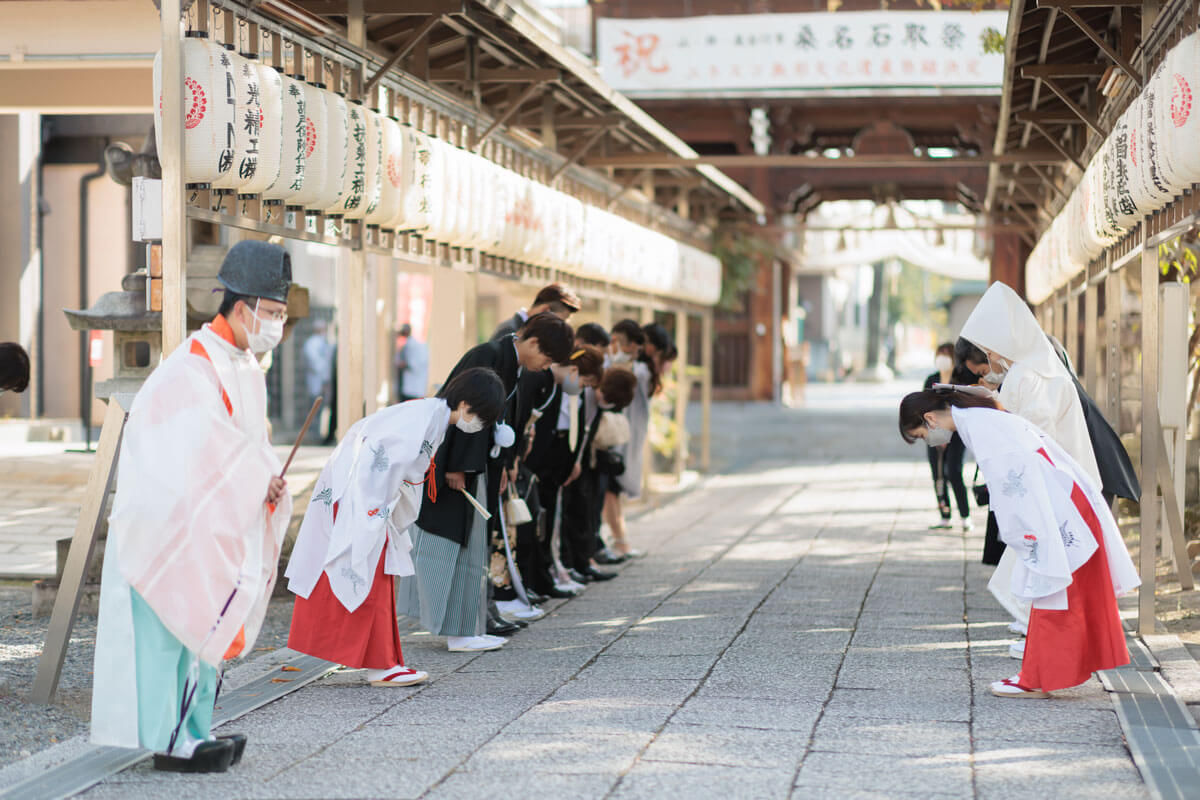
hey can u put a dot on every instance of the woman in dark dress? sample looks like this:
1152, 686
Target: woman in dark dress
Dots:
946, 462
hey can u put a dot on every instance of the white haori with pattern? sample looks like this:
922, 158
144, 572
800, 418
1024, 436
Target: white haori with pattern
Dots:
1031, 498
375, 476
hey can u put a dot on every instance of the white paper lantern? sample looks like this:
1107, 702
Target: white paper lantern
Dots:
418, 183
391, 185
1179, 119
375, 153
337, 127
270, 138
246, 134
316, 160
207, 118
1149, 142
1122, 175
297, 138
352, 193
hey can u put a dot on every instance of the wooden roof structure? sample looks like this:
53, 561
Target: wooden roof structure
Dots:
1072, 67
505, 59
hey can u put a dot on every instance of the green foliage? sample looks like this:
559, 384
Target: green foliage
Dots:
1180, 254
993, 40
740, 254
917, 298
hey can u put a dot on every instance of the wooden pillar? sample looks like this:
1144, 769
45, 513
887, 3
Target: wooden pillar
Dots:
1091, 355
351, 288
706, 387
681, 397
174, 233
1151, 436
1071, 328
1112, 349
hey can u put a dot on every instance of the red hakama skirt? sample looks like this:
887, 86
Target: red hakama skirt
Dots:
367, 637
1064, 648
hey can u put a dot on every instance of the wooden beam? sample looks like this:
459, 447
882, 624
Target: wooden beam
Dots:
1046, 179
1047, 117
331, 8
513, 108
583, 123
1057, 145
626, 185
403, 50
577, 153
1104, 46
1077, 109
1067, 4
505, 75
671, 161
1063, 71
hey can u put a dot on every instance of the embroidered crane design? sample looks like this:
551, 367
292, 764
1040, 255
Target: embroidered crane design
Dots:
1014, 484
379, 461
355, 579
324, 496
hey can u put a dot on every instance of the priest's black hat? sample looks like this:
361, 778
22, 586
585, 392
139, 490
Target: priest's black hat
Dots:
257, 269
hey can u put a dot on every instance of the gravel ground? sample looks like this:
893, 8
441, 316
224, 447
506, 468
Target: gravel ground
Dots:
27, 727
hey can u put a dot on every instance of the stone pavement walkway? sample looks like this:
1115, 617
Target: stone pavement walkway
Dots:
794, 630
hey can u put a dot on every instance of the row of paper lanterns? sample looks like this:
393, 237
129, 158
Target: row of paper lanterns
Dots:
252, 130
1151, 157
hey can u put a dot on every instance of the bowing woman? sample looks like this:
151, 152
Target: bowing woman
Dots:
1070, 563
448, 593
354, 538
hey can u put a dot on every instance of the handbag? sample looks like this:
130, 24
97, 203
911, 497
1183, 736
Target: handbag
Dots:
610, 462
980, 490
516, 512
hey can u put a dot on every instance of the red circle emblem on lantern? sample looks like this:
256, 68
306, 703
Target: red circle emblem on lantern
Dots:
1181, 101
393, 170
310, 137
199, 105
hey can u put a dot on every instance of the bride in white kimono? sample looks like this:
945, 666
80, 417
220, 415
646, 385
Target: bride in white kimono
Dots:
1034, 384
1069, 561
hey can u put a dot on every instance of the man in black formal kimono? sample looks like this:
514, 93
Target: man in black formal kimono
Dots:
451, 541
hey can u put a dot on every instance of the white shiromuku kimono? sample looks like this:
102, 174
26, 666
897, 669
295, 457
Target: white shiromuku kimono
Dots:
1031, 496
375, 476
1038, 387
190, 532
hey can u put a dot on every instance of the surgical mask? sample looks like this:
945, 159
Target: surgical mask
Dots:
268, 336
938, 436
469, 424
621, 357
572, 385
944, 363
996, 372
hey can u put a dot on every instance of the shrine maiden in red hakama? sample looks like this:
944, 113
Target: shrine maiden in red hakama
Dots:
1071, 563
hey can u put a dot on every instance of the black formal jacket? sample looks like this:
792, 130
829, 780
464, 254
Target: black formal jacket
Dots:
1116, 469
508, 327
451, 516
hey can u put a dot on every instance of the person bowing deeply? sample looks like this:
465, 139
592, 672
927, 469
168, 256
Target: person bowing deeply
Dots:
448, 593
1033, 384
354, 537
1070, 563
196, 527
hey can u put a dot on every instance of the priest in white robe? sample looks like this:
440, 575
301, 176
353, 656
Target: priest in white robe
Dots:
1034, 384
354, 540
196, 528
1070, 563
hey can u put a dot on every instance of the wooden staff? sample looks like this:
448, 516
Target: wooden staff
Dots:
304, 430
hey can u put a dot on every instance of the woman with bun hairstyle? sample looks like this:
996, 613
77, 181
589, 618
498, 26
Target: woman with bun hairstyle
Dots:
1070, 561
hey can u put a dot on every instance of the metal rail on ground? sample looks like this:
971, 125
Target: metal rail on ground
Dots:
97, 762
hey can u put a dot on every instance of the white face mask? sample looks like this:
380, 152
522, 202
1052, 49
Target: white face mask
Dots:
944, 363
269, 333
936, 437
621, 357
996, 372
469, 424
572, 385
